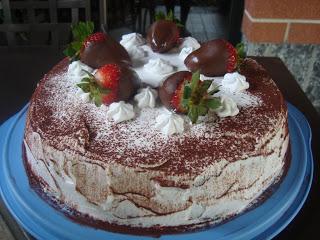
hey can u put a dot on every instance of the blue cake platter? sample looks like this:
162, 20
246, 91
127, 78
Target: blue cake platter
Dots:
263, 222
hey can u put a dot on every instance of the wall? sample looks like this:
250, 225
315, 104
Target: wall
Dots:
289, 29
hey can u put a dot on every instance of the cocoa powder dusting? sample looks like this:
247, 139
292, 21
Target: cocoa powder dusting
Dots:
66, 122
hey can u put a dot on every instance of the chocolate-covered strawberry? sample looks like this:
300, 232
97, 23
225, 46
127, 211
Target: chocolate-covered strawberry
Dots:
215, 58
98, 53
164, 33
170, 90
184, 92
110, 83
95, 49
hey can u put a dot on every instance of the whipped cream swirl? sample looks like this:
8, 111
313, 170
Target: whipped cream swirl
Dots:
75, 70
234, 82
120, 111
170, 123
228, 107
132, 40
136, 52
190, 42
188, 45
146, 97
159, 66
185, 52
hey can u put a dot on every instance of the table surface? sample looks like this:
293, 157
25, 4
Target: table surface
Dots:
21, 69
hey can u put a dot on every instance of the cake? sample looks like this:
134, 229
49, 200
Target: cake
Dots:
134, 166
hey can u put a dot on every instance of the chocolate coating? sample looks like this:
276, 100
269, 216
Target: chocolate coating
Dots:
210, 59
129, 83
110, 51
170, 85
163, 35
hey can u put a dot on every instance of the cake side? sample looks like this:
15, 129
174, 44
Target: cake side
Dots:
38, 185
155, 181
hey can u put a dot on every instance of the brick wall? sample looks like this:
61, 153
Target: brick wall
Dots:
276, 21
289, 29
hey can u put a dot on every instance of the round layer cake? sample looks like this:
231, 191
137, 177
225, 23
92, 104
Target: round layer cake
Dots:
130, 176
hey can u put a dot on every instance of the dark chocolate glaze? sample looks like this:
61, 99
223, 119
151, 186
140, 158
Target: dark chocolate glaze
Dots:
169, 86
210, 59
163, 35
109, 51
38, 184
129, 83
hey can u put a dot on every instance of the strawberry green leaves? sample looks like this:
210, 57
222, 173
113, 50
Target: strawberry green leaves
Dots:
80, 32
241, 50
195, 80
187, 92
241, 54
214, 90
160, 16
89, 85
170, 17
196, 98
213, 103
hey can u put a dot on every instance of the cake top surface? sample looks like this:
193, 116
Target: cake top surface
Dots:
65, 121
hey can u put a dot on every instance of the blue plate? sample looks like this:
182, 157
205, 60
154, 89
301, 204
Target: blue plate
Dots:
263, 222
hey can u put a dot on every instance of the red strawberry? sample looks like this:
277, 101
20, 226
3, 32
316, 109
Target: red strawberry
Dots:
94, 38
176, 100
95, 49
215, 58
232, 57
100, 50
171, 91
110, 83
184, 92
163, 35
108, 76
109, 98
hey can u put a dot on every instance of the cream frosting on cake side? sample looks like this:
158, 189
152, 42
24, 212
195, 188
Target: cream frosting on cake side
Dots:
130, 173
136, 197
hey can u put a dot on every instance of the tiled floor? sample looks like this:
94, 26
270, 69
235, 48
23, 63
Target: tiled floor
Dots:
303, 61
4, 231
